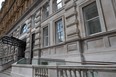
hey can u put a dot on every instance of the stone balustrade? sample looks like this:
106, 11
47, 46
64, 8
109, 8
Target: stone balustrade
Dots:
75, 71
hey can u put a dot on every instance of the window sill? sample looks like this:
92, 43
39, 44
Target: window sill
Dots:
100, 34
95, 33
62, 43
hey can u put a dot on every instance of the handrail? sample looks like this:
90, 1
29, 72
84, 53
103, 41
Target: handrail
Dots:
27, 61
76, 66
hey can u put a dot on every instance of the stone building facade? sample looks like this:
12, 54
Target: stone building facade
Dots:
72, 30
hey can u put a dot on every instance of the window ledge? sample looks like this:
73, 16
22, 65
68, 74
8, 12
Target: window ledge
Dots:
100, 34
62, 43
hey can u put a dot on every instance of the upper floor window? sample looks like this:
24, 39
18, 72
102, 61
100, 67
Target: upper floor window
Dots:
33, 21
24, 29
92, 20
46, 9
57, 4
45, 36
59, 31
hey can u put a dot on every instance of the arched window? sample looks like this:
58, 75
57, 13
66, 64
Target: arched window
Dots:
24, 29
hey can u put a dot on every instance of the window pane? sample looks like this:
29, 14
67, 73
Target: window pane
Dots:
59, 31
90, 11
33, 22
62, 36
45, 10
24, 29
46, 43
45, 36
94, 26
58, 1
91, 17
59, 5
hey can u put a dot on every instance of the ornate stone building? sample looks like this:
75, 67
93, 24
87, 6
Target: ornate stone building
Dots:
71, 30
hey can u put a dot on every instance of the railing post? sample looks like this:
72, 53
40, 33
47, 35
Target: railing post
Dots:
70, 73
80, 75
74, 71
66, 73
57, 71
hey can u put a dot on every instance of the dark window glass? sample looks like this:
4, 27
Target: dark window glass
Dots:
59, 31
24, 29
46, 10
91, 17
45, 36
59, 4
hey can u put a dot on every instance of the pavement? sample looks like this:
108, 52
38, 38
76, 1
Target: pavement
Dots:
6, 73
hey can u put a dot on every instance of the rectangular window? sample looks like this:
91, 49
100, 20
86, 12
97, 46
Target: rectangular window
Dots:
59, 4
33, 41
46, 9
33, 21
91, 16
59, 31
45, 36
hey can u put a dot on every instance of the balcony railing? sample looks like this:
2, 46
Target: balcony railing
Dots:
75, 71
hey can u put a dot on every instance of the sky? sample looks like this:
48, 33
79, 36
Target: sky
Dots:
0, 3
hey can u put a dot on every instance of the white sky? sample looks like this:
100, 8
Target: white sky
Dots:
1, 2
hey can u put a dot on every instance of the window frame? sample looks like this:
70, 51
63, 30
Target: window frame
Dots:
60, 18
61, 2
43, 35
44, 10
83, 32
87, 20
33, 20
22, 29
55, 5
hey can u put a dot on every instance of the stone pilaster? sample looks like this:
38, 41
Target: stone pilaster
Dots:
71, 22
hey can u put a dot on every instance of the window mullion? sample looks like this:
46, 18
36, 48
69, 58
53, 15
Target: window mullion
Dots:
93, 18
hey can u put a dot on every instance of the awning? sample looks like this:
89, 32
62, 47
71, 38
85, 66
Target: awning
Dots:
10, 40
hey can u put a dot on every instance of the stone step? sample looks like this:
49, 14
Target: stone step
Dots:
6, 73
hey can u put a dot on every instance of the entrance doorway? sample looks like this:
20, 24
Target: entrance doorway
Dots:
21, 50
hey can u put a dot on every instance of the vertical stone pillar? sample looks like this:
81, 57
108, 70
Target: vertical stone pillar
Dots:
72, 31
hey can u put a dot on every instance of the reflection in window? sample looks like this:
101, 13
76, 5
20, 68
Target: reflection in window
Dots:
91, 17
46, 10
24, 29
33, 22
59, 4
59, 31
45, 36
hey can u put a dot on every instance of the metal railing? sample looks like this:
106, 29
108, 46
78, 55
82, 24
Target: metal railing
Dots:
75, 71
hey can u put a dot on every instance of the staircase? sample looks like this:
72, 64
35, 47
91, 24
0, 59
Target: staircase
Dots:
6, 73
